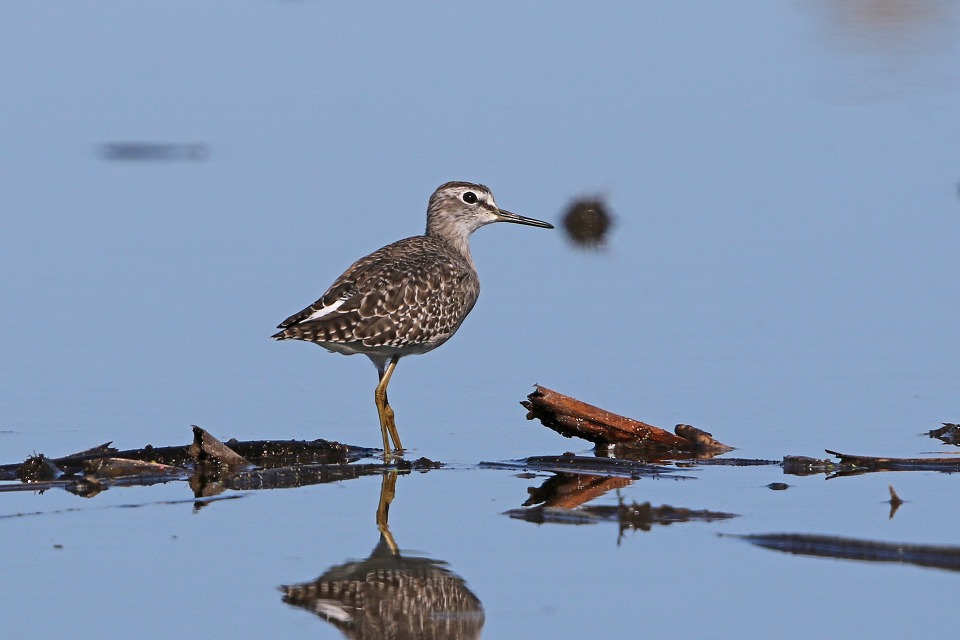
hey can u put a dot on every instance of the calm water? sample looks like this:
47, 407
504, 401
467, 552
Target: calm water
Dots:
782, 273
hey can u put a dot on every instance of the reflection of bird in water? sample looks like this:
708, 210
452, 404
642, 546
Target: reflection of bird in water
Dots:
408, 297
391, 596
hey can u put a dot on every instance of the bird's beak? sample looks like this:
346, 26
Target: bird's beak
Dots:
506, 216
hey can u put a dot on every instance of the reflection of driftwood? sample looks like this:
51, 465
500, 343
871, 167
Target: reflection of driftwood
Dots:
570, 417
940, 557
569, 490
629, 516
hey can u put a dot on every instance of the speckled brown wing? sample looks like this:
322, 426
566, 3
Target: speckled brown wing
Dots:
409, 296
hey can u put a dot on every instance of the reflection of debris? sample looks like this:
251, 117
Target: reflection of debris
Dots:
949, 433
939, 557
894, 501
570, 417
569, 490
155, 151
629, 516
587, 222
196, 502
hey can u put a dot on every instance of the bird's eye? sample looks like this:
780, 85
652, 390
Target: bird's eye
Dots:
469, 197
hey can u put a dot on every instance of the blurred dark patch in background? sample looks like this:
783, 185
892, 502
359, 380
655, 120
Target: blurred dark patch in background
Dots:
587, 222
129, 151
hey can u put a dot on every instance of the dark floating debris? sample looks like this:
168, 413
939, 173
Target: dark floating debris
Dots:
850, 465
571, 417
871, 463
210, 466
778, 486
420, 464
587, 223
149, 151
206, 448
938, 557
807, 466
949, 433
38, 468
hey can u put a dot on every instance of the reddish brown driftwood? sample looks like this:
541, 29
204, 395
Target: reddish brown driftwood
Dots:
570, 417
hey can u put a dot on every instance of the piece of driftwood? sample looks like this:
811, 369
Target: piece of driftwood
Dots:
571, 417
207, 449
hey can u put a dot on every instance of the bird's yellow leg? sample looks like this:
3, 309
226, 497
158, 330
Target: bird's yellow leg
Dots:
388, 425
387, 491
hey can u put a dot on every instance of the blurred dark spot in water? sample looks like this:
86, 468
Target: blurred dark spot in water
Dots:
587, 223
125, 151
